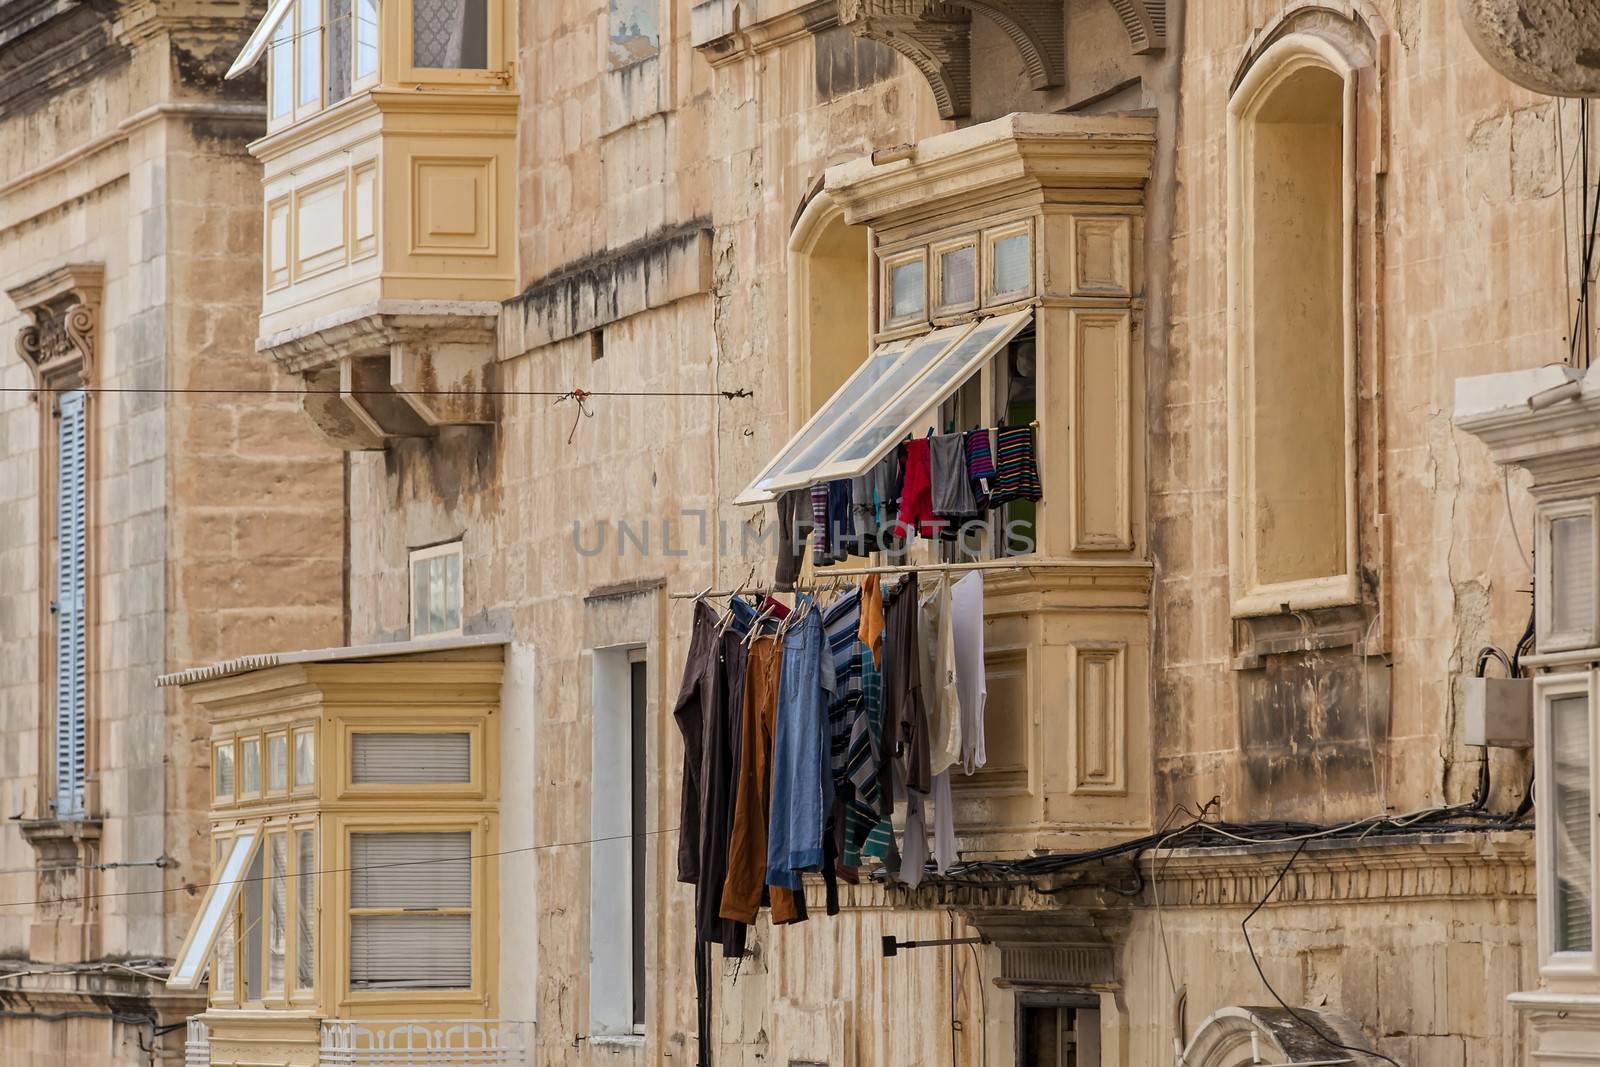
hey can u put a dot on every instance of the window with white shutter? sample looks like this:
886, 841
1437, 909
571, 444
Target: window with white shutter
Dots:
1568, 867
411, 910
410, 758
1568, 558
71, 657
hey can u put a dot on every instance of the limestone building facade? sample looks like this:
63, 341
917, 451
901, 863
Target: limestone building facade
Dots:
563, 281
129, 261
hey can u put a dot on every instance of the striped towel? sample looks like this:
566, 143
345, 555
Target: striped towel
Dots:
821, 552
1017, 477
980, 465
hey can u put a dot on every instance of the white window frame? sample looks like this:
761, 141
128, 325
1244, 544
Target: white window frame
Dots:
1283, 59
221, 897
866, 410
612, 1009
1545, 579
1546, 689
427, 555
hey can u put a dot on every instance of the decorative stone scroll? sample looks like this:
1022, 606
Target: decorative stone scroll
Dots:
59, 343
936, 36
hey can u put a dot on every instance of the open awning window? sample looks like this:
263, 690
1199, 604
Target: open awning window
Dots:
257, 44
215, 908
882, 402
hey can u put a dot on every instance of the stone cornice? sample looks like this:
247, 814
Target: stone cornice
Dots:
726, 31
1546, 420
1022, 153
1456, 865
372, 329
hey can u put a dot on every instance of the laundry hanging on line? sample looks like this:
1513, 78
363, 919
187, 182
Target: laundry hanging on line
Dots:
822, 740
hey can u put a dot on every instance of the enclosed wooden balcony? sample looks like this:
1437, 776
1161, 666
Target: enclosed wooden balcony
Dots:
387, 208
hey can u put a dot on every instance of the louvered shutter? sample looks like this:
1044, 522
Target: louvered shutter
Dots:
71, 664
418, 874
410, 758
1571, 810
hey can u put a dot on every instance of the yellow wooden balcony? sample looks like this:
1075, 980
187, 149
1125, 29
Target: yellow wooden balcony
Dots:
387, 208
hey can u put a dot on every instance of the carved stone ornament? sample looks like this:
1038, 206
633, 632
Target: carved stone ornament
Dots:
64, 307
936, 36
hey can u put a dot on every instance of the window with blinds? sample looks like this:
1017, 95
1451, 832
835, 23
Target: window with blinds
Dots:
1569, 566
71, 558
411, 910
410, 758
1571, 810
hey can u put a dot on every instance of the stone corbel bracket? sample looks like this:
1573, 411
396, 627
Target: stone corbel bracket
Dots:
58, 344
393, 369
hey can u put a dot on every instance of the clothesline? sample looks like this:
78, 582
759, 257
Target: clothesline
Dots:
820, 578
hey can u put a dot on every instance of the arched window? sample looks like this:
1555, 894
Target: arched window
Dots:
1292, 329
830, 323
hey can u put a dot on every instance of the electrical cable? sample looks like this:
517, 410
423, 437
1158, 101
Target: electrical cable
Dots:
190, 887
1301, 1019
559, 394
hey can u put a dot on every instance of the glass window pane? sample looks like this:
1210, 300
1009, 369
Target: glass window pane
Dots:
945, 376
252, 931
452, 591
1013, 265
283, 68
222, 764
1572, 816
366, 38
250, 767
337, 56
908, 292
223, 961
305, 950
1572, 570
419, 597
412, 871
849, 395
450, 34
214, 909
823, 438
277, 910
305, 759
410, 951
958, 276
277, 763
310, 16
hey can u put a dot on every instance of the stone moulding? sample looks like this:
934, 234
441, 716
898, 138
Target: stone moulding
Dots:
587, 295
933, 35
64, 306
394, 368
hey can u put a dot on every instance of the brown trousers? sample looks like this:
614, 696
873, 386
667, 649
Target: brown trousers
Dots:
747, 844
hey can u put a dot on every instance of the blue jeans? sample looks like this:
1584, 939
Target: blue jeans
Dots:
802, 779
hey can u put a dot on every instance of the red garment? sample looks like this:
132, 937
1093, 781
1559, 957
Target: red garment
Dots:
916, 496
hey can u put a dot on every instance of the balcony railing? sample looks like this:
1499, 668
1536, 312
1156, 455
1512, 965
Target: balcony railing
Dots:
419, 1043
197, 1045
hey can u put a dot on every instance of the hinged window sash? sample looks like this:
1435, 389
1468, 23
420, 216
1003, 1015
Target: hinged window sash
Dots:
898, 385
215, 907
71, 654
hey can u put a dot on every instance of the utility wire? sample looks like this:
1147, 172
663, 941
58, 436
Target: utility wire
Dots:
1301, 1019
189, 887
726, 394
